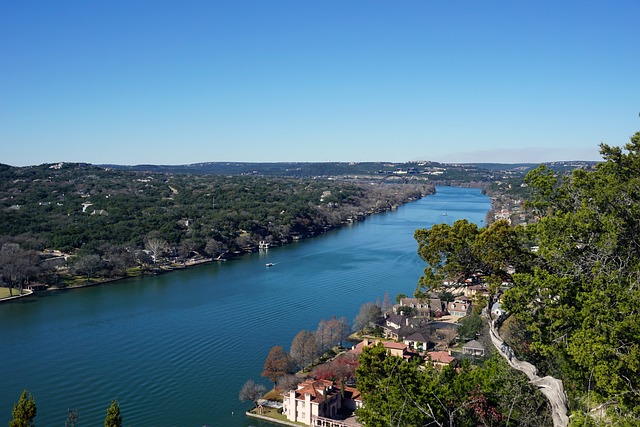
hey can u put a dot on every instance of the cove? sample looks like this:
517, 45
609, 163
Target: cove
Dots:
175, 349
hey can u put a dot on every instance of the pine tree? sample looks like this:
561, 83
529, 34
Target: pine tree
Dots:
114, 418
24, 411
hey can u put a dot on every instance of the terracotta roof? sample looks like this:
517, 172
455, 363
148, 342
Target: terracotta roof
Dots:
394, 345
439, 357
315, 388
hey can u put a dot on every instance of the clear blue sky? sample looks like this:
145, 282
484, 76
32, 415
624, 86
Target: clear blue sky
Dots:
162, 82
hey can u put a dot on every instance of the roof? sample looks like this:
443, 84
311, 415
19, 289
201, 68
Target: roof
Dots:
473, 344
417, 336
439, 357
396, 319
394, 345
317, 389
389, 345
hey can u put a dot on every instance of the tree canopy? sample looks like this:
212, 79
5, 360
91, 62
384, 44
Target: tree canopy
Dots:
400, 393
578, 292
581, 300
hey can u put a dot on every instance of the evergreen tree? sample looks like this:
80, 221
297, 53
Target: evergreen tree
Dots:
24, 411
113, 418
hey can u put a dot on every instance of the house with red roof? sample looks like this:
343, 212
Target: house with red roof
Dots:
440, 359
318, 401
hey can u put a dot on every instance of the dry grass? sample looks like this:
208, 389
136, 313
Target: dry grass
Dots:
4, 292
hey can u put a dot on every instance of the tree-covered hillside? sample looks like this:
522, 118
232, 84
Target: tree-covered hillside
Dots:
574, 287
70, 206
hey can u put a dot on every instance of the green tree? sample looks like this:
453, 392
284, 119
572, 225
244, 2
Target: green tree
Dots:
579, 300
470, 326
113, 418
24, 411
399, 297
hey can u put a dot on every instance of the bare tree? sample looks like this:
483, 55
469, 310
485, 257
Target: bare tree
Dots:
304, 348
17, 266
156, 246
252, 391
386, 302
367, 316
88, 265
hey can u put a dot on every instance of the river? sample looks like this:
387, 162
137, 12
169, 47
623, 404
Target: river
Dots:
175, 349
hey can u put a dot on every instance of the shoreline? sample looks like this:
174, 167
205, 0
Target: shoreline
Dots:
221, 258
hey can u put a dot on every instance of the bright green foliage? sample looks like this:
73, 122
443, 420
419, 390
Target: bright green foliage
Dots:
455, 253
579, 294
581, 301
113, 418
24, 411
400, 393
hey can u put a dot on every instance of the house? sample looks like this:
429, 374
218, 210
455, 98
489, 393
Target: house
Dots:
393, 348
440, 359
460, 307
427, 307
473, 290
315, 401
421, 307
393, 325
497, 310
473, 348
417, 341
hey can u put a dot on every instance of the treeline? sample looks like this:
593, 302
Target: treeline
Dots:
89, 210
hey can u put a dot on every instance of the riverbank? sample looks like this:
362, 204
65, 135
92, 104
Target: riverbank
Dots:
26, 293
175, 349
169, 266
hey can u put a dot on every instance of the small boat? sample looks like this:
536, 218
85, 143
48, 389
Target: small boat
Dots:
269, 264
444, 214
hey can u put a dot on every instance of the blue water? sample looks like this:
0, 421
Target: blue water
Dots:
175, 349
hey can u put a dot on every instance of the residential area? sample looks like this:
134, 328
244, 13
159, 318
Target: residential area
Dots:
445, 329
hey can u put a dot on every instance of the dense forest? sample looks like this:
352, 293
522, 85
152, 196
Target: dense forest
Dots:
115, 219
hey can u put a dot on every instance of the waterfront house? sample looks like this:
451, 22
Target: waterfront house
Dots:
428, 307
319, 402
421, 307
393, 326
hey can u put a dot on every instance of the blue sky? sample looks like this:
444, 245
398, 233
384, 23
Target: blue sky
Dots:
161, 82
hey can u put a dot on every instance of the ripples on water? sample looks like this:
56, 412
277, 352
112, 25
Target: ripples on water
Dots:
175, 349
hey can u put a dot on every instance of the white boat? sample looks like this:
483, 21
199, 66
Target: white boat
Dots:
269, 264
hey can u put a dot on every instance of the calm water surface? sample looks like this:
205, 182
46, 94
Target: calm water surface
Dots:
175, 349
